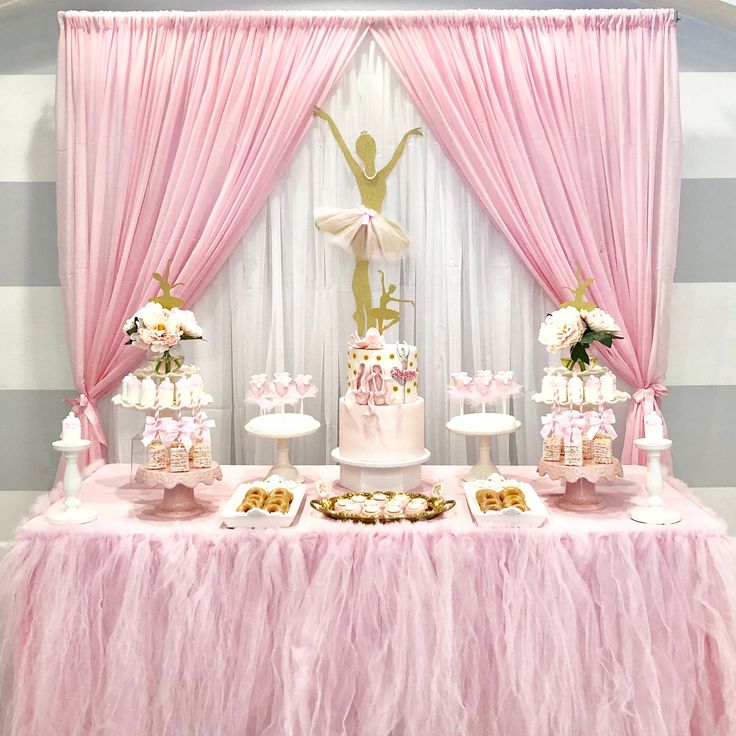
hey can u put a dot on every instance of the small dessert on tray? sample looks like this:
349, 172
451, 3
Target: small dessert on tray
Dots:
370, 508
498, 501
274, 502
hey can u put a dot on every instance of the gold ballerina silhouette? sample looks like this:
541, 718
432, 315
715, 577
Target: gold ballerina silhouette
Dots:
578, 292
382, 316
166, 300
349, 226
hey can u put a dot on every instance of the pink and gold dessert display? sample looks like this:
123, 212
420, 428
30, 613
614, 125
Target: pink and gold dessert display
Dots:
577, 443
369, 508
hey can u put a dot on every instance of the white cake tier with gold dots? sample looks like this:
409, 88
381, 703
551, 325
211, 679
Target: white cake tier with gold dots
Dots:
364, 366
392, 434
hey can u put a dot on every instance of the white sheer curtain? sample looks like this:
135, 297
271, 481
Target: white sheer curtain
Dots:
284, 300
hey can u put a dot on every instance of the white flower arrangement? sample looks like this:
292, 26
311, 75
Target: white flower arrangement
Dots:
159, 329
577, 329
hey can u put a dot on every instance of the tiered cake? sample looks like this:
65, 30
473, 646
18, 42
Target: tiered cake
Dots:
381, 417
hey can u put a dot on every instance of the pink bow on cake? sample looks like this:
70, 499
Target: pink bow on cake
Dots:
372, 340
165, 428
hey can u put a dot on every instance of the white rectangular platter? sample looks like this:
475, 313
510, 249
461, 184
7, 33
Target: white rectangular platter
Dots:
258, 518
510, 517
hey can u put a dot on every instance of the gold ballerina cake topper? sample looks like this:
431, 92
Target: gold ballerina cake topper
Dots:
166, 300
578, 292
381, 316
364, 231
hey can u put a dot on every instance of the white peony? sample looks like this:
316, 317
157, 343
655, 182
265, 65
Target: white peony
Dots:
561, 329
153, 315
600, 321
187, 323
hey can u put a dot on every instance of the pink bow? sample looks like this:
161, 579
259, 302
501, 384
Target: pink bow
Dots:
602, 421
368, 215
201, 426
85, 407
372, 340
550, 425
648, 395
165, 428
572, 424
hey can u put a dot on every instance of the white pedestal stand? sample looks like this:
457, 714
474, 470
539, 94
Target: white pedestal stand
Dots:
379, 475
483, 426
282, 428
73, 511
654, 512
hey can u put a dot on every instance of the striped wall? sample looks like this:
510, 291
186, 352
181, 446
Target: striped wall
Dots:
36, 377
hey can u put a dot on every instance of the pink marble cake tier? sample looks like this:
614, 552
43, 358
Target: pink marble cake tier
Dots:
392, 433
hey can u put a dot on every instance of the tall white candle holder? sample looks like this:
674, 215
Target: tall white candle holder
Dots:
654, 512
72, 512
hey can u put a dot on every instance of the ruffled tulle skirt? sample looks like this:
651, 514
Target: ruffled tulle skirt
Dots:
363, 232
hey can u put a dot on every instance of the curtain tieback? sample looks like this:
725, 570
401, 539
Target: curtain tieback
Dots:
648, 395
85, 407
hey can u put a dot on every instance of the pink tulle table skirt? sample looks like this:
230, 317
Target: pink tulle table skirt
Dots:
589, 626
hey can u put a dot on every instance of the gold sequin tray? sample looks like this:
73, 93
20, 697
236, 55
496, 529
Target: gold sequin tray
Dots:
336, 507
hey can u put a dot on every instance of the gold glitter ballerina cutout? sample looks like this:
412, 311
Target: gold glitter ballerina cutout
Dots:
364, 231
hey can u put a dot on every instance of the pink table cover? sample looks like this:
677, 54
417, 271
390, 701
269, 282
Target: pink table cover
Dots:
589, 625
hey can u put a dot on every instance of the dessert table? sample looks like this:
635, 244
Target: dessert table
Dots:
591, 624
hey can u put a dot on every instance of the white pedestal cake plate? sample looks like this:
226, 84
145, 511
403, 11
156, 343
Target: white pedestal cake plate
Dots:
283, 427
654, 512
379, 475
72, 512
484, 426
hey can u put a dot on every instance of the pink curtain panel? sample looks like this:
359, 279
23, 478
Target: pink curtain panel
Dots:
566, 126
172, 129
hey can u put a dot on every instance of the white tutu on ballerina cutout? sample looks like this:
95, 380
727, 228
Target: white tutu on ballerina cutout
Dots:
363, 232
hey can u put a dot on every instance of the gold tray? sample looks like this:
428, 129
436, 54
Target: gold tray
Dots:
436, 505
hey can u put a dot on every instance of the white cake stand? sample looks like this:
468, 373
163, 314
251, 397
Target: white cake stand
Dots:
379, 475
483, 426
282, 428
654, 512
73, 512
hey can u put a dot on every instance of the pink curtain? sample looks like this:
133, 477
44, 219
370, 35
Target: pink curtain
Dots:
172, 130
566, 126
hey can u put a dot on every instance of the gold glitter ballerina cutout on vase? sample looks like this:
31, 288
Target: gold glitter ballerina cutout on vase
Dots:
364, 231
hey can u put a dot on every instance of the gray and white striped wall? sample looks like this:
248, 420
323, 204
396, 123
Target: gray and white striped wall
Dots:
35, 376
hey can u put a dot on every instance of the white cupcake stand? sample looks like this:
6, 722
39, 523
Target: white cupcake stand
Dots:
283, 427
484, 426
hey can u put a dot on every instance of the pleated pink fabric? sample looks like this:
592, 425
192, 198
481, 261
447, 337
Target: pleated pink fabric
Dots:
588, 625
566, 126
172, 130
